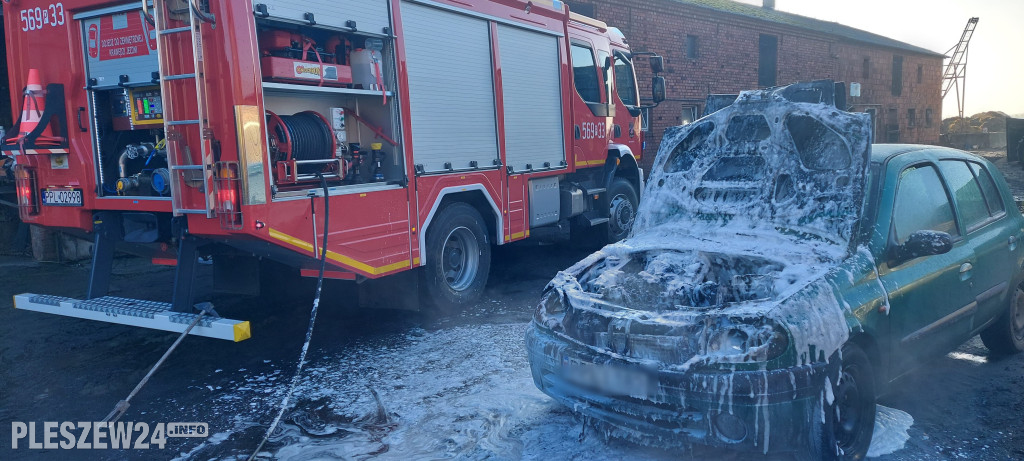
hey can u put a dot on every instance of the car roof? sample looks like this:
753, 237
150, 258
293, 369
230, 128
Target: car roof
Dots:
881, 153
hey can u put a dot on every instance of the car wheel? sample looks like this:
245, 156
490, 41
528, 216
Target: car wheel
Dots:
622, 205
458, 259
1006, 335
850, 418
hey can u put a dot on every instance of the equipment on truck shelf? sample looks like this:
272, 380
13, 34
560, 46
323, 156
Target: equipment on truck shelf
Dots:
294, 58
142, 169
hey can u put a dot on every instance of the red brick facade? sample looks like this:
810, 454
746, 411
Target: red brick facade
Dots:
727, 56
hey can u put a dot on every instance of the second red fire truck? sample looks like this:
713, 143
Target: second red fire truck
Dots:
434, 128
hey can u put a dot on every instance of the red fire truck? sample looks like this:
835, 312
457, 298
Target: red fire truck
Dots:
432, 129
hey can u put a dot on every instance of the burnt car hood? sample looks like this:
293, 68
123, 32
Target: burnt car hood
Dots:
744, 214
771, 162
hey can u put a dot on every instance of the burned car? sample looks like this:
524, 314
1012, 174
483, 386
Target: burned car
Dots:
779, 274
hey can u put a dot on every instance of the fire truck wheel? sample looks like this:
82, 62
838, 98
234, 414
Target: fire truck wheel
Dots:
458, 258
622, 203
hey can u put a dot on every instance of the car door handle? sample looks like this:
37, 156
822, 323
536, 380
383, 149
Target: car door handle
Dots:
1013, 242
965, 268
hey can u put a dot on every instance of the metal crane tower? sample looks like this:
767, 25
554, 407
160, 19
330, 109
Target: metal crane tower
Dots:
955, 75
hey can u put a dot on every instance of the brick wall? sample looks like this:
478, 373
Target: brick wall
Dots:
727, 62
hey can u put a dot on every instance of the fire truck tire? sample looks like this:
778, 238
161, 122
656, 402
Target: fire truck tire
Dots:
458, 259
622, 206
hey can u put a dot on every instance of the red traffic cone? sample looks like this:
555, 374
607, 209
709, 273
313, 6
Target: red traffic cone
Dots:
32, 114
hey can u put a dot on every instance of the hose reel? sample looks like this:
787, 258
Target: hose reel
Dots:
302, 145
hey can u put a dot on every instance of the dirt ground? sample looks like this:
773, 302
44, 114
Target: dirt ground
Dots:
443, 381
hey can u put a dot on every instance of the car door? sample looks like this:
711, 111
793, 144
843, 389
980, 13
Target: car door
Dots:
930, 299
982, 213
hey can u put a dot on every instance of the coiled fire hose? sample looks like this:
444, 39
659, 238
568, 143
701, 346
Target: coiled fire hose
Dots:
312, 321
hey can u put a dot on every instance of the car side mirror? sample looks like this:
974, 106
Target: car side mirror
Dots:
657, 64
658, 89
922, 243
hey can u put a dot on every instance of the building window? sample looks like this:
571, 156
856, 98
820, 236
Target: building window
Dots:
688, 115
692, 47
911, 118
581, 8
645, 119
892, 127
865, 69
897, 75
928, 118
920, 73
767, 60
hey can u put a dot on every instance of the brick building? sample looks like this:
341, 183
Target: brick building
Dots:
723, 47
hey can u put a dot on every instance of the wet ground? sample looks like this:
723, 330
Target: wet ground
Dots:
449, 388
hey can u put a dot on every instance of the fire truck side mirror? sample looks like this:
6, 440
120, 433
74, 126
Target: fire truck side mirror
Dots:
658, 89
657, 64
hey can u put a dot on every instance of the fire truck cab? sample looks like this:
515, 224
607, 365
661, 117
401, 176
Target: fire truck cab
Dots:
432, 129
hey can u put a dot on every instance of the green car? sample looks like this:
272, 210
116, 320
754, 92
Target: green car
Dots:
781, 271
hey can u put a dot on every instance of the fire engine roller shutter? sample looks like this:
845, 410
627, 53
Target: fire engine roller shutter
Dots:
451, 88
370, 16
532, 98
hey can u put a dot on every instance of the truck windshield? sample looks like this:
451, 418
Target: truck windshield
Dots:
625, 81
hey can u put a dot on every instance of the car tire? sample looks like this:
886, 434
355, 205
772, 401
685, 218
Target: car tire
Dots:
622, 206
850, 418
1006, 335
458, 259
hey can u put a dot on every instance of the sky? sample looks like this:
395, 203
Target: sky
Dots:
995, 66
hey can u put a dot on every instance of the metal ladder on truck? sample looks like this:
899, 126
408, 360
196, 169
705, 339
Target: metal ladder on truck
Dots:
173, 90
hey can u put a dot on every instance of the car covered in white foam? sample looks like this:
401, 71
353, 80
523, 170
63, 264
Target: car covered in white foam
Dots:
750, 306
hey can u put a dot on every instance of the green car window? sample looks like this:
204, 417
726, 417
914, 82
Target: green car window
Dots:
966, 192
922, 204
992, 196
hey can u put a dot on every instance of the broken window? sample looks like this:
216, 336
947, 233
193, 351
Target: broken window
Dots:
911, 118
897, 75
865, 69
692, 47
767, 60
921, 204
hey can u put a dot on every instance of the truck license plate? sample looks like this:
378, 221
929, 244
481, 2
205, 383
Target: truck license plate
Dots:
62, 197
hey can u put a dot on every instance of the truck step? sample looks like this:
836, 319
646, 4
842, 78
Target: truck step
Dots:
134, 312
596, 221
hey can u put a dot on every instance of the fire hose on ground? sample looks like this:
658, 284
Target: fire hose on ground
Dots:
207, 308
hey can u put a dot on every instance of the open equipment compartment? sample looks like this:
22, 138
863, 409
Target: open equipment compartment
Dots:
328, 95
122, 72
